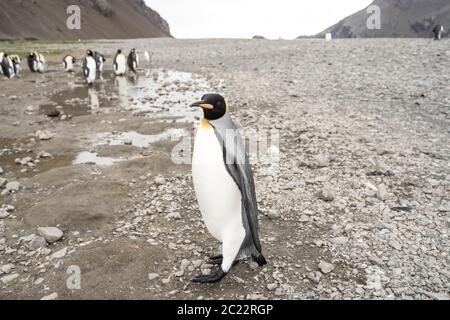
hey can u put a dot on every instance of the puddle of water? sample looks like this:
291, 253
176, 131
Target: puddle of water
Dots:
92, 158
134, 138
160, 94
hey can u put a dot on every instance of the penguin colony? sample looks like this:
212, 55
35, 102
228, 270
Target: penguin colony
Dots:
222, 175
92, 64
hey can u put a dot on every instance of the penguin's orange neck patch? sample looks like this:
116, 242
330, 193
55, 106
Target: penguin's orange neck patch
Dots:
204, 124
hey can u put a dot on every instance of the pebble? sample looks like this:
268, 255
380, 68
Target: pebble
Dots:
326, 267
13, 186
7, 268
153, 276
43, 135
160, 181
52, 296
59, 254
327, 194
37, 243
51, 234
7, 279
272, 286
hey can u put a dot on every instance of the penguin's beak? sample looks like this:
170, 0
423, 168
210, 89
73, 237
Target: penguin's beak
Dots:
202, 104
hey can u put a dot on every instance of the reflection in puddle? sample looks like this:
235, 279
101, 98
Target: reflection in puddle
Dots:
160, 94
93, 159
135, 139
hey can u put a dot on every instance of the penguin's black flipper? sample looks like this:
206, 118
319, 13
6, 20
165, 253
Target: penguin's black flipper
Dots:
212, 278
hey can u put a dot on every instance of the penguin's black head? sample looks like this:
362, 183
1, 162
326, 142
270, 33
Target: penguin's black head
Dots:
133, 50
89, 53
119, 51
213, 105
32, 55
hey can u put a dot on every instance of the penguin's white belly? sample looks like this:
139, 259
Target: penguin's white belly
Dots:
91, 67
218, 196
69, 64
121, 65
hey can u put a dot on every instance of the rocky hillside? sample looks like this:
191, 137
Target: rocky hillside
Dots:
100, 19
399, 18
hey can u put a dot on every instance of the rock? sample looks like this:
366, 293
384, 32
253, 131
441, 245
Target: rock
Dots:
1, 170
59, 254
6, 269
7, 279
272, 286
3, 182
339, 240
273, 214
153, 276
258, 37
43, 135
382, 193
12, 186
375, 260
52, 296
321, 161
37, 243
44, 155
4, 213
326, 267
38, 281
51, 234
377, 169
327, 194
396, 245
160, 181
438, 296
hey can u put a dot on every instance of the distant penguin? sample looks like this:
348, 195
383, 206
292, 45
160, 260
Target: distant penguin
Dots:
148, 57
225, 189
133, 61
36, 62
89, 67
1, 61
437, 31
16, 63
69, 63
99, 61
120, 63
7, 66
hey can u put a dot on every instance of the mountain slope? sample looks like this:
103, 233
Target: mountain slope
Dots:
101, 19
399, 18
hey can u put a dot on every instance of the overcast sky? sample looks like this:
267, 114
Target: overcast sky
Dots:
245, 18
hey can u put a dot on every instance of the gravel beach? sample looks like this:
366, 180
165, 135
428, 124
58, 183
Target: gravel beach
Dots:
357, 207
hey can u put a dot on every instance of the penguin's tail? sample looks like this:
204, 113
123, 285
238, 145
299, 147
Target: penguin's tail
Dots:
260, 260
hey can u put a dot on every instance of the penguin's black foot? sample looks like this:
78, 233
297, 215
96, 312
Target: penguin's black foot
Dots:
260, 260
212, 278
217, 260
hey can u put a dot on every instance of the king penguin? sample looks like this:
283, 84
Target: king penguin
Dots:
224, 187
7, 67
133, 61
120, 63
17, 64
99, 60
1, 61
89, 67
69, 63
36, 62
